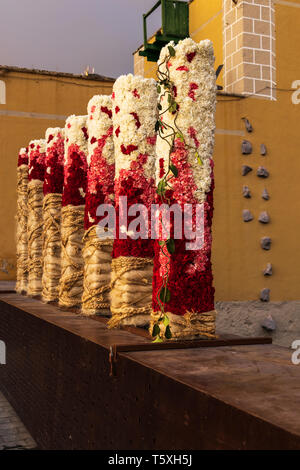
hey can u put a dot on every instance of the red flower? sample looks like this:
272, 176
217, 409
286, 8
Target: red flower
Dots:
85, 132
107, 111
50, 138
93, 109
23, 158
161, 168
135, 93
117, 131
117, 109
93, 140
151, 140
190, 56
191, 93
137, 121
113, 95
175, 91
129, 149
55, 161
193, 135
69, 125
182, 68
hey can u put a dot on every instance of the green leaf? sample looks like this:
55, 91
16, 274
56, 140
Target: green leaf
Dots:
198, 158
157, 124
158, 340
178, 135
156, 330
169, 98
161, 188
159, 106
168, 333
174, 170
158, 88
166, 320
170, 246
161, 242
171, 51
165, 295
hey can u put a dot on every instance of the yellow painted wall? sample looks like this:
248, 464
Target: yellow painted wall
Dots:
206, 22
32, 93
238, 260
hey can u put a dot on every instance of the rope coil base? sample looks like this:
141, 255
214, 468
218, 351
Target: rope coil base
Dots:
21, 233
97, 273
51, 246
35, 242
189, 326
71, 281
131, 291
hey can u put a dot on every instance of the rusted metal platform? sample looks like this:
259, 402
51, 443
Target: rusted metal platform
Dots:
234, 395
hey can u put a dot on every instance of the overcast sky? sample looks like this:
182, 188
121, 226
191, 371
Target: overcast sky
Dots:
68, 35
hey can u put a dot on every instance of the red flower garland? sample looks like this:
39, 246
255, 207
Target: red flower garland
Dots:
54, 163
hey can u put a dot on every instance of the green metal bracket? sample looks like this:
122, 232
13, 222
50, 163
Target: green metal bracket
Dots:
175, 26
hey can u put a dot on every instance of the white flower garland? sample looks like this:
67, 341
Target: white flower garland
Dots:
196, 107
135, 114
74, 134
98, 123
96, 252
134, 94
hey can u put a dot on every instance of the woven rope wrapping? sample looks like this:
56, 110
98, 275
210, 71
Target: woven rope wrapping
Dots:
192, 325
51, 246
97, 273
22, 239
131, 295
71, 281
35, 242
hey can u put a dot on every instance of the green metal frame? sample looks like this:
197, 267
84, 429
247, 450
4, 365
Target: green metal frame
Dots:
175, 26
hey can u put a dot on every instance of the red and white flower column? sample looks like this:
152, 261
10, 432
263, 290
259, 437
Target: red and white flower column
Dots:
134, 119
100, 190
21, 218
72, 215
37, 154
53, 187
189, 305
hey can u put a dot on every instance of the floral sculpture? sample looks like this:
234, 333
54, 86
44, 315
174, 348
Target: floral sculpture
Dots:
72, 215
100, 190
37, 149
53, 187
134, 118
183, 295
22, 248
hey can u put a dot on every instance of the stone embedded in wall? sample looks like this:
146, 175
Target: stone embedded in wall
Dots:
264, 217
262, 172
263, 150
265, 243
268, 323
246, 192
265, 195
247, 216
268, 271
246, 147
246, 169
265, 295
248, 125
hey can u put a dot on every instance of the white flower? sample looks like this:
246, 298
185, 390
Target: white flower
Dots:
196, 108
